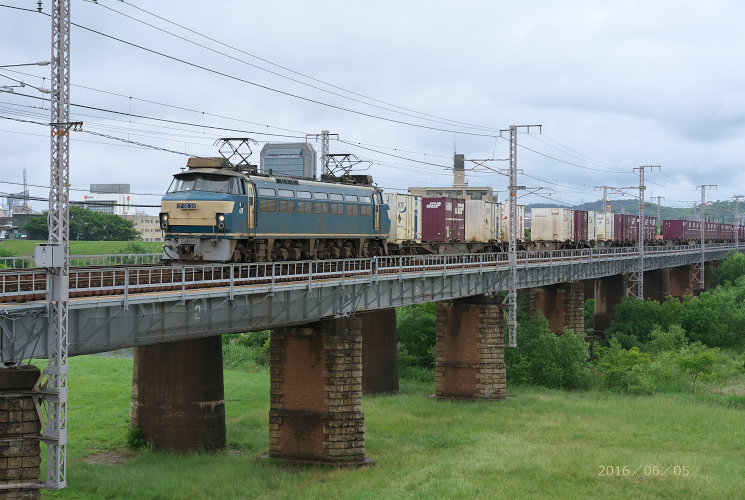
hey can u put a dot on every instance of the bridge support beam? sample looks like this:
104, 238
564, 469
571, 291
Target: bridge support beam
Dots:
316, 393
608, 294
379, 352
178, 399
562, 304
469, 363
20, 453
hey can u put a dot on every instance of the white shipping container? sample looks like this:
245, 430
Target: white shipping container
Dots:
592, 230
504, 222
604, 226
405, 212
482, 220
551, 224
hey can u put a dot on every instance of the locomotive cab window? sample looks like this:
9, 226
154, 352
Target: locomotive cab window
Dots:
205, 182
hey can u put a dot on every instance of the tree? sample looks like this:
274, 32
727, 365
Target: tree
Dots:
87, 225
730, 269
415, 326
697, 360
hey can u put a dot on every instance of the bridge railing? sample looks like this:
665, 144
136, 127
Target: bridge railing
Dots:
27, 261
134, 279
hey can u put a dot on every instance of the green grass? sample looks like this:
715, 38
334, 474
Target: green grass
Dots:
539, 443
26, 247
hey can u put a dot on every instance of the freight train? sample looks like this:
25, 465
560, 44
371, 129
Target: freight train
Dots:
214, 212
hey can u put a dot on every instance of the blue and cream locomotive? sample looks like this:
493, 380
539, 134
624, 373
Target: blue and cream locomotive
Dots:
217, 213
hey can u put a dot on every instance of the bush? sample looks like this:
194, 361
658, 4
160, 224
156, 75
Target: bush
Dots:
544, 358
135, 438
672, 339
415, 326
730, 269
246, 350
625, 370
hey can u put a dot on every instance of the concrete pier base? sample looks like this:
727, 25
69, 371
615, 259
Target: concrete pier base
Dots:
178, 396
316, 394
20, 452
608, 294
379, 352
469, 363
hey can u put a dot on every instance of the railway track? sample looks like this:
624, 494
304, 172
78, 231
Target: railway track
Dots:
26, 285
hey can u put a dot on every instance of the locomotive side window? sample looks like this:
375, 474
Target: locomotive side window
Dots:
304, 207
365, 199
335, 196
266, 192
321, 196
287, 206
287, 193
366, 210
321, 207
303, 194
337, 208
353, 209
267, 205
350, 197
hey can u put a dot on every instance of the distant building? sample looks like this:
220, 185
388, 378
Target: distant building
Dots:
147, 225
289, 159
459, 189
110, 199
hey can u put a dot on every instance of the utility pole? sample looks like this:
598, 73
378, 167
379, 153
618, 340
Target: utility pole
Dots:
54, 388
737, 197
701, 266
641, 226
324, 136
511, 300
605, 196
659, 212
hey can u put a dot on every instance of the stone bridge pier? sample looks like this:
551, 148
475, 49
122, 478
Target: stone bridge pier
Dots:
469, 362
608, 294
379, 352
316, 393
178, 397
562, 304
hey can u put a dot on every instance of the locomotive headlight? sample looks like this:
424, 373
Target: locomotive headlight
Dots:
220, 218
164, 221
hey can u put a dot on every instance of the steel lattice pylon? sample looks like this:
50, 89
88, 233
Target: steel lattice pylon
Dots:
54, 387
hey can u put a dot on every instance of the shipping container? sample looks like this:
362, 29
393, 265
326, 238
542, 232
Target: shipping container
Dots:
504, 225
727, 232
405, 213
604, 226
551, 224
482, 220
443, 219
579, 231
592, 229
626, 227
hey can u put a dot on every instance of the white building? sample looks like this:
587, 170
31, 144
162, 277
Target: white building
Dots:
110, 199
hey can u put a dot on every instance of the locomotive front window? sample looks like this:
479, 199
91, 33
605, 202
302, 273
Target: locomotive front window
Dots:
205, 182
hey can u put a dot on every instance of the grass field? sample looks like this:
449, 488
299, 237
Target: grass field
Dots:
538, 443
26, 247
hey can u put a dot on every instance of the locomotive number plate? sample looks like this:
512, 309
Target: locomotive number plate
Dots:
187, 206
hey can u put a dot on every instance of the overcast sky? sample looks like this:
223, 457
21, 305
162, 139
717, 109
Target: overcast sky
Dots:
614, 84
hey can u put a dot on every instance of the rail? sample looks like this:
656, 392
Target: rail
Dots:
23, 285
27, 261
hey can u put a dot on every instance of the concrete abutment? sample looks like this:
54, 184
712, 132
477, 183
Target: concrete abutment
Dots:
178, 397
469, 362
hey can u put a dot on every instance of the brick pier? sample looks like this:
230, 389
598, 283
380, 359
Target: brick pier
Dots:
563, 305
379, 352
20, 428
316, 394
469, 363
178, 395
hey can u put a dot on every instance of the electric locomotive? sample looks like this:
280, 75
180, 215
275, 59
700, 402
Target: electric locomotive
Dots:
214, 212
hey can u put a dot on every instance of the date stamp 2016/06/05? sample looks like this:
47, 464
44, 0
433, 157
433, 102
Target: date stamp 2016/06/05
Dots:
643, 470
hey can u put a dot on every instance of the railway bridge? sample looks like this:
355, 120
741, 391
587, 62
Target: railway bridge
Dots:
333, 335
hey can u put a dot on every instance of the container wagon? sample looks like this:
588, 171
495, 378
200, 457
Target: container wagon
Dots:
443, 219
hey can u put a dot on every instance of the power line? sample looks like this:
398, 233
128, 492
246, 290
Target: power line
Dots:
301, 74
265, 87
447, 122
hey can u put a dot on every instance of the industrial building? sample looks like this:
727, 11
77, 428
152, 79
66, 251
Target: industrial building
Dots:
110, 199
289, 159
460, 187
